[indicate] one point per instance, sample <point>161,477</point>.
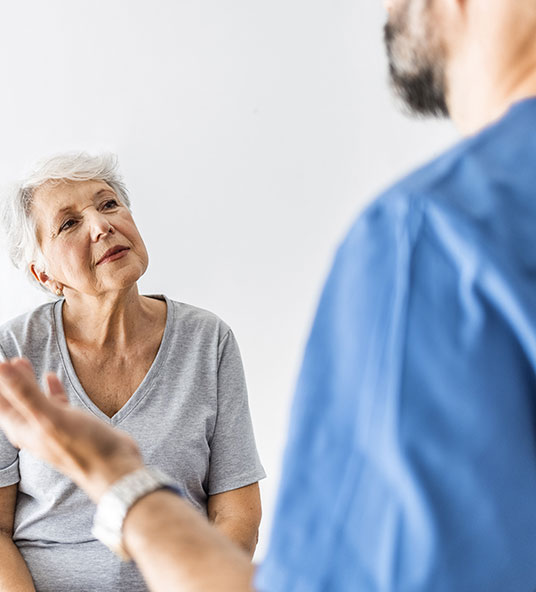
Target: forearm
<point>239,531</point>
<point>14,573</point>
<point>176,548</point>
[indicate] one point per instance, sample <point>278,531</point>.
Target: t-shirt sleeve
<point>332,504</point>
<point>9,455</point>
<point>234,461</point>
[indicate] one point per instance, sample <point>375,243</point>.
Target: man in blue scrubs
<point>411,460</point>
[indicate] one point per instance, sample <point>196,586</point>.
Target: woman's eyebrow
<point>59,214</point>
<point>103,191</point>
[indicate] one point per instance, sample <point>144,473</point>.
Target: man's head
<point>467,59</point>
<point>417,57</point>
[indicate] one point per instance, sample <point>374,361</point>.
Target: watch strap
<point>119,498</point>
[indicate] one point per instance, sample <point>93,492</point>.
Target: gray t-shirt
<point>190,417</point>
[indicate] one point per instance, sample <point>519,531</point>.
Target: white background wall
<point>250,134</point>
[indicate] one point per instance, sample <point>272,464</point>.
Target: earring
<point>59,292</point>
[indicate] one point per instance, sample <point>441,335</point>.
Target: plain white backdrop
<point>250,134</point>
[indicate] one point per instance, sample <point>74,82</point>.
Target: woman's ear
<point>40,276</point>
<point>44,280</point>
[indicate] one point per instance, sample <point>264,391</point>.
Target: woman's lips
<point>115,256</point>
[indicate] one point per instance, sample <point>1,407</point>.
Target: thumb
<point>54,389</point>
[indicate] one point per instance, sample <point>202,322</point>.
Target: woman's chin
<point>119,280</point>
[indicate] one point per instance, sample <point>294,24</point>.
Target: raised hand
<point>80,445</point>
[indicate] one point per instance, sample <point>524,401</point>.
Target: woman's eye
<point>111,203</point>
<point>67,224</point>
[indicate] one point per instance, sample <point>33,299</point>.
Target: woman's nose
<point>100,226</point>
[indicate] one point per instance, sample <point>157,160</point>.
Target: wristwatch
<point>117,501</point>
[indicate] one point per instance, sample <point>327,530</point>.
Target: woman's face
<point>77,223</point>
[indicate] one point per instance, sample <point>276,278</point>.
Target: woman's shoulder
<point>27,332</point>
<point>187,317</point>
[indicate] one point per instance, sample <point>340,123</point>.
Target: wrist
<point>101,478</point>
<point>117,501</point>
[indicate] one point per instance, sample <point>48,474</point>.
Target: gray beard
<point>423,92</point>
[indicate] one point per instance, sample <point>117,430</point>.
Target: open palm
<point>83,447</point>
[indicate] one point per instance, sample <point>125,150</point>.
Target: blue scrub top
<point>411,460</point>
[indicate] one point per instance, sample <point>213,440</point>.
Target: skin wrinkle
<point>55,223</point>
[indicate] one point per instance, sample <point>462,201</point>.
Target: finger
<point>54,389</point>
<point>11,422</point>
<point>19,387</point>
<point>24,365</point>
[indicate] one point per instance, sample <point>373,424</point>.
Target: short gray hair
<point>15,216</point>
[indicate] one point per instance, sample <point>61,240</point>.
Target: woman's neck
<point>112,320</point>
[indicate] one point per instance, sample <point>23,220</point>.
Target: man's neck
<point>471,114</point>
<point>484,81</point>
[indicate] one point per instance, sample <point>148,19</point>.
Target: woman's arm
<point>237,514</point>
<point>14,574</point>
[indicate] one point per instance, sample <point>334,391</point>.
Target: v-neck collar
<point>145,386</point>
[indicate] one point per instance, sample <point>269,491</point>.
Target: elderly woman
<point>166,372</point>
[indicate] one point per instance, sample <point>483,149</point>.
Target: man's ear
<point>40,276</point>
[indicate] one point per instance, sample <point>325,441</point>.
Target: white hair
<point>19,227</point>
